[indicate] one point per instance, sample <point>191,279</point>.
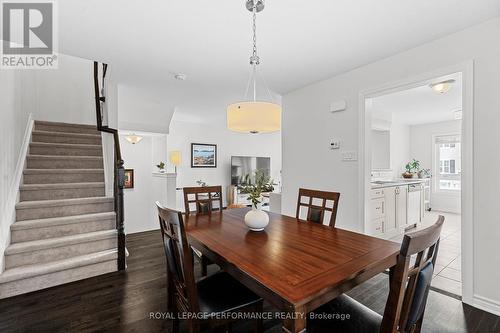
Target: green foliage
<point>413,165</point>
<point>201,183</point>
<point>262,183</point>
<point>161,166</point>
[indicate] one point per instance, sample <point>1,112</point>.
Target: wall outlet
<point>334,144</point>
<point>349,156</point>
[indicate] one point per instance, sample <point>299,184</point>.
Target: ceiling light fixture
<point>253,115</point>
<point>133,139</point>
<point>442,87</point>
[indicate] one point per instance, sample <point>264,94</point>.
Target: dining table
<point>295,265</point>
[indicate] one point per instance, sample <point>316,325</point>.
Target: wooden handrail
<point>119,170</point>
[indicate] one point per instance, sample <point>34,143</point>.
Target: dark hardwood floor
<point>124,302</point>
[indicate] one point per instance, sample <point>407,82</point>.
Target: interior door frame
<point>467,198</point>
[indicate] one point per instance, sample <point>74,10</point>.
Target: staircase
<point>65,227</point>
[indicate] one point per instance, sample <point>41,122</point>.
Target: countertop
<point>398,182</point>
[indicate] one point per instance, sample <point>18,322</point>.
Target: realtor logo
<point>28,32</point>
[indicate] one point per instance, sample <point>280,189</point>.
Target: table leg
<point>296,320</point>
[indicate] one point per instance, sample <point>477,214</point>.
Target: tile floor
<point>448,270</point>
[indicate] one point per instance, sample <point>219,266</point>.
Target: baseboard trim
<point>10,208</point>
<point>486,304</point>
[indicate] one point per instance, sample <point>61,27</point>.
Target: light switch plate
<point>349,156</point>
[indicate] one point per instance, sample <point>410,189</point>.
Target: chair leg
<point>204,266</point>
<point>418,325</point>
<point>194,326</point>
<point>175,325</point>
<point>259,308</point>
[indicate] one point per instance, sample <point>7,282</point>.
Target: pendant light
<point>253,115</point>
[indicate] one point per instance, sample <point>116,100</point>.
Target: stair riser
<point>37,163</point>
<point>58,211</point>
<point>57,278</point>
<point>47,138</point>
<point>63,151</point>
<point>27,235</point>
<point>68,193</point>
<point>63,178</point>
<point>65,129</point>
<point>59,253</point>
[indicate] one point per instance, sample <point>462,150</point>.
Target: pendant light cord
<point>255,60</point>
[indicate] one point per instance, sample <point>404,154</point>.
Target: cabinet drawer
<point>376,227</point>
<point>378,208</point>
<point>377,193</point>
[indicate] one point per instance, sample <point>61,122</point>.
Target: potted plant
<point>161,167</point>
<point>257,219</point>
<point>424,173</point>
<point>201,183</point>
<point>412,169</point>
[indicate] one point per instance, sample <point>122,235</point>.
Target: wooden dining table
<point>296,266</point>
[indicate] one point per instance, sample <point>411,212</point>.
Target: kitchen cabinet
<point>391,224</point>
<point>394,209</point>
<point>414,204</point>
<point>377,210</point>
<point>401,206</point>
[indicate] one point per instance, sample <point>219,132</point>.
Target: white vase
<point>256,219</point>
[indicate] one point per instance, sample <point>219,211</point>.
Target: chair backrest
<point>320,205</point>
<point>203,199</point>
<point>411,279</point>
<point>180,272</point>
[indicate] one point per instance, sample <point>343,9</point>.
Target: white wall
<point>182,134</point>
<point>141,110</point>
<point>308,126</point>
<point>65,94</point>
<point>421,149</point>
<point>140,209</point>
<point>381,149</point>
<point>400,148</point>
<point>14,118</point>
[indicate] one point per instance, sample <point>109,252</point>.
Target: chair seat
<point>361,319</point>
<point>220,293</point>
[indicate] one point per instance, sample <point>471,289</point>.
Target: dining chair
<point>319,205</point>
<point>409,285</point>
<point>209,301</point>
<point>202,198</point>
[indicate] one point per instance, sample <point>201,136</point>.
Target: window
<point>448,163</point>
<point>447,167</point>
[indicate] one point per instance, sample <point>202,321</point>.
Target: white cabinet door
<point>376,227</point>
<point>401,206</point>
<point>413,208</point>
<point>414,204</point>
<point>378,209</point>
<point>390,210</point>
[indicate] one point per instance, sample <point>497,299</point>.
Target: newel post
<point>119,219</point>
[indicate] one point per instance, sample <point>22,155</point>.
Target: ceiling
<point>300,42</point>
<point>420,105</point>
